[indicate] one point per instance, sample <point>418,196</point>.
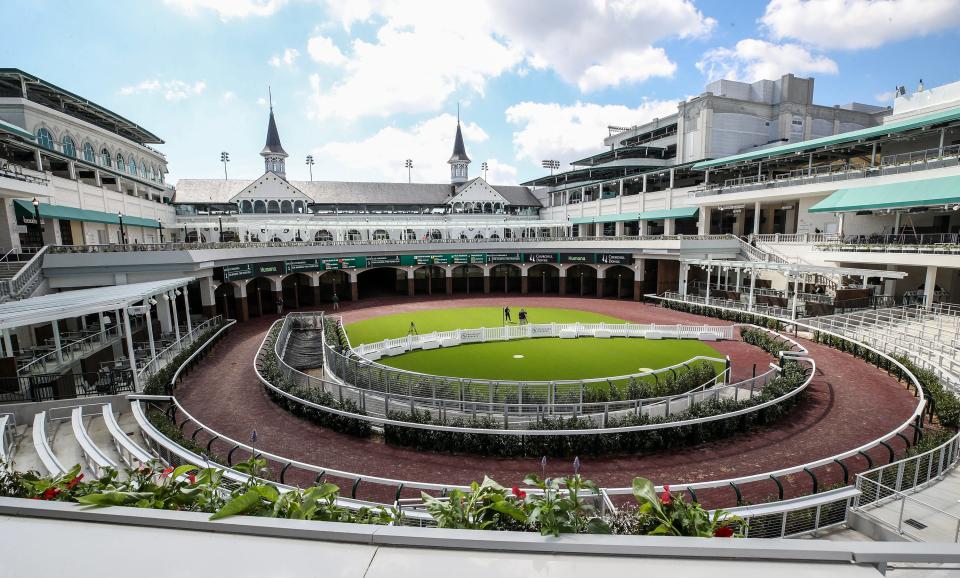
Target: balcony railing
<point>889,165</point>
<point>937,244</point>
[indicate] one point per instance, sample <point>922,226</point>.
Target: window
<point>354,235</point>
<point>286,207</point>
<point>380,235</point>
<point>69,147</point>
<point>143,170</point>
<point>322,236</point>
<point>44,139</point>
<point>259,207</point>
<point>88,154</point>
<point>246,207</point>
<point>273,207</point>
<point>105,158</point>
<point>120,164</point>
<point>133,167</point>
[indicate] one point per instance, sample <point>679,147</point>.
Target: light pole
<point>550,164</point>
<point>123,235</point>
<point>310,166</point>
<point>408,164</point>
<point>220,235</point>
<point>159,222</point>
<point>619,279</point>
<point>484,167</point>
<point>36,215</point>
<point>224,158</point>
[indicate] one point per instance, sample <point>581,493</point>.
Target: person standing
<point>506,315</point>
<point>336,302</point>
<point>279,306</point>
<point>413,329</point>
<point>523,316</point>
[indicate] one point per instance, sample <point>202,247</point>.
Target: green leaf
<point>598,526</point>
<point>182,470</point>
<point>114,498</point>
<point>268,492</point>
<point>239,505</point>
<point>507,507</point>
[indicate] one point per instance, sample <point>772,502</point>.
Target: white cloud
<point>287,59</point>
<point>855,24</point>
<point>424,52</point>
<point>228,9</point>
<point>885,96</point>
<point>228,96</point>
<point>381,156</point>
<point>498,173</point>
<point>262,102</point>
<point>752,59</point>
<point>321,49</point>
<point>172,90</point>
<point>567,133</point>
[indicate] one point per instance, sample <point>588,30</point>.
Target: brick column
<point>523,282</point>
<point>486,282</point>
<point>354,293</point>
<point>599,286</point>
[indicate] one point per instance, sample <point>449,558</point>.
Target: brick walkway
<point>848,404</point>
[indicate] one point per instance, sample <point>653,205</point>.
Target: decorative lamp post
<point>220,221</point>
<point>160,222</point>
<point>123,234</point>
<point>36,214</point>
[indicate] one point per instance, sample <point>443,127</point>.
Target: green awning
<point>939,191</point>
<point>842,138</point>
<point>25,209</point>
<point>14,129</point>
<point>680,213</point>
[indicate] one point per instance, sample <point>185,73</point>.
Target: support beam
<point>56,339</point>
<point>186,309</point>
<point>929,285</point>
<point>131,357</point>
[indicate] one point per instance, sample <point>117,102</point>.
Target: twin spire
<point>274,156</point>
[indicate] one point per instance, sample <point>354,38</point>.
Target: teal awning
<point>681,213</point>
<point>14,129</point>
<point>842,138</point>
<point>47,211</point>
<point>939,191</point>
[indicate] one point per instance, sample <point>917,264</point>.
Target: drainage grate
<point>915,524</point>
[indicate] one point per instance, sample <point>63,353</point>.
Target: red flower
<point>50,493</point>
<point>665,497</point>
<point>73,483</point>
<point>192,478</point>
<point>519,493</point>
<point>723,532</point>
<point>165,473</point>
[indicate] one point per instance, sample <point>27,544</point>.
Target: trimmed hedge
<point>765,341</point>
<point>727,315</point>
<point>599,444</point>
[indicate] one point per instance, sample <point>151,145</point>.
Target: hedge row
<point>599,444</point>
<point>725,314</point>
<point>160,382</point>
<point>764,340</point>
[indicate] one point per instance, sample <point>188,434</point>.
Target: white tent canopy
<point>794,269</point>
<point>70,304</point>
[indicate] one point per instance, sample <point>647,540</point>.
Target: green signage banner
<point>383,260</point>
<point>504,257</point>
<point>299,265</point>
<point>232,272</point>
<point>615,258</point>
<point>539,257</point>
<point>343,262</point>
<point>577,258</point>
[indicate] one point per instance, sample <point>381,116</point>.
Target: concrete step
<point>25,457</point>
<point>66,448</point>
<point>98,432</point>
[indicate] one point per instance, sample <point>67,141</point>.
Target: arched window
<point>69,147</point>
<point>436,234</point>
<point>494,236</point>
<point>259,207</point>
<point>121,166</point>
<point>353,235</point>
<point>286,207</point>
<point>44,139</point>
<point>463,236</point>
<point>478,236</point>
<point>88,154</point>
<point>143,170</point>
<point>276,239</point>
<point>105,158</point>
<point>410,235</point>
<point>381,235</point>
<point>246,207</point>
<point>153,176</point>
<point>298,207</point>
<point>133,167</point>
<point>323,236</point>
<point>273,207</point>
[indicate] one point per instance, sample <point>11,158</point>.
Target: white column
<point>7,343</point>
<point>840,226</point>
<point>684,270</point>
<point>756,218</point>
<point>173,309</point>
<point>186,309</point>
<point>709,272</point>
<point>796,294</point>
<point>146,318</point>
<point>753,285</point>
<point>56,339</point>
<point>103,327</point>
<point>163,313</point>
<point>739,278</point>
<point>929,284</point>
<point>896,223</point>
<point>130,355</point>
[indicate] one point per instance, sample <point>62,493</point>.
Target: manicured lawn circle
<point>543,359</point>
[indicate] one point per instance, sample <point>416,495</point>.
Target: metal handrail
<point>157,361</point>
<point>106,335</point>
<point>14,286</point>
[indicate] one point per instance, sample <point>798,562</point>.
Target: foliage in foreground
<point>551,506</point>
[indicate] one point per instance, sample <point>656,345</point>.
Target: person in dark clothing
<point>506,315</point>
<point>523,317</point>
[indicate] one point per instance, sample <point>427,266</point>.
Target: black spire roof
<point>273,145</point>
<point>459,151</point>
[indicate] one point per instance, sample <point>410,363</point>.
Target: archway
<point>229,237</point>
<point>429,279</point>
<point>581,280</point>
<point>354,235</point>
<point>543,278</point>
<point>467,279</point>
<point>335,281</point>
<point>323,236</point>
<point>381,235</point>
<point>225,300</point>
<point>380,281</point>
<point>618,282</point>
<point>297,291</point>
<point>505,278</point>
<point>193,237</point>
<point>260,297</point>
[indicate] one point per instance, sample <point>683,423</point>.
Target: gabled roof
<point>854,136</point>
<point>270,186</point>
<point>478,190</point>
<point>459,150</point>
<point>273,146</point>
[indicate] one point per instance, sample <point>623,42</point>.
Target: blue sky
<point>364,84</point>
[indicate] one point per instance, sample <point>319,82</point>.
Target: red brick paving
<point>849,403</point>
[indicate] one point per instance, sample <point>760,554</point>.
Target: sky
<point>363,85</point>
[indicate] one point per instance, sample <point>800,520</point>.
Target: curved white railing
<point>42,445</point>
<point>131,453</point>
<point>96,459</point>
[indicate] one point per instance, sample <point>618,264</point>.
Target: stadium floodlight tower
<point>408,164</point>
<point>550,164</point>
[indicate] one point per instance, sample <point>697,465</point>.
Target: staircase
<point>759,252</point>
<point>20,274</point>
